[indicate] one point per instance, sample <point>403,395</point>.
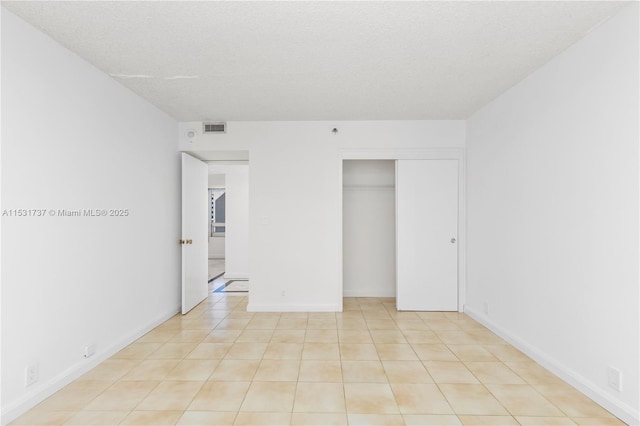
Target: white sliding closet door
<point>427,232</point>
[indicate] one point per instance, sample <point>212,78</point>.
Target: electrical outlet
<point>31,374</point>
<point>89,350</point>
<point>614,379</point>
<point>486,308</point>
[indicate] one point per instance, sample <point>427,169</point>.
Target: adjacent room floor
<point>369,365</point>
<point>216,268</point>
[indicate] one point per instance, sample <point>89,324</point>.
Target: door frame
<point>416,154</point>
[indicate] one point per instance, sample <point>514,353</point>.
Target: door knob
<point>189,241</point>
<point>181,242</point>
<point>453,241</point>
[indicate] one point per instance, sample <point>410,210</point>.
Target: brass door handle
<point>181,242</point>
<point>189,241</point>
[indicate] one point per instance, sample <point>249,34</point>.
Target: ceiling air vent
<point>215,127</point>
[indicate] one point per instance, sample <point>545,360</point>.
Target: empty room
<point>431,213</point>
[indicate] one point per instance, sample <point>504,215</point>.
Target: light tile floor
<point>369,365</point>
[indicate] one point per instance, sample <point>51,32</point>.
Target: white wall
<point>552,212</point>
<point>72,138</point>
<point>369,228</point>
<point>216,247</point>
<point>295,198</point>
<point>216,181</point>
<point>236,260</point>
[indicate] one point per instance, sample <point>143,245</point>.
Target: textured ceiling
<point>317,60</point>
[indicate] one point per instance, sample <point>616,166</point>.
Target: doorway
<point>229,253</point>
<point>369,228</point>
<point>229,231</point>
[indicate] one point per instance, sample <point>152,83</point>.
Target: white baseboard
<point>39,393</point>
<point>619,408</point>
<point>235,276</point>
<point>252,307</point>
<point>370,293</point>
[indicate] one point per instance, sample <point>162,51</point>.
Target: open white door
<point>427,228</point>
<point>194,232</point>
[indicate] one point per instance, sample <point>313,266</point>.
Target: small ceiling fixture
<point>334,131</point>
<point>191,134</point>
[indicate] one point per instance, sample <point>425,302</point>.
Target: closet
<point>400,232</point>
